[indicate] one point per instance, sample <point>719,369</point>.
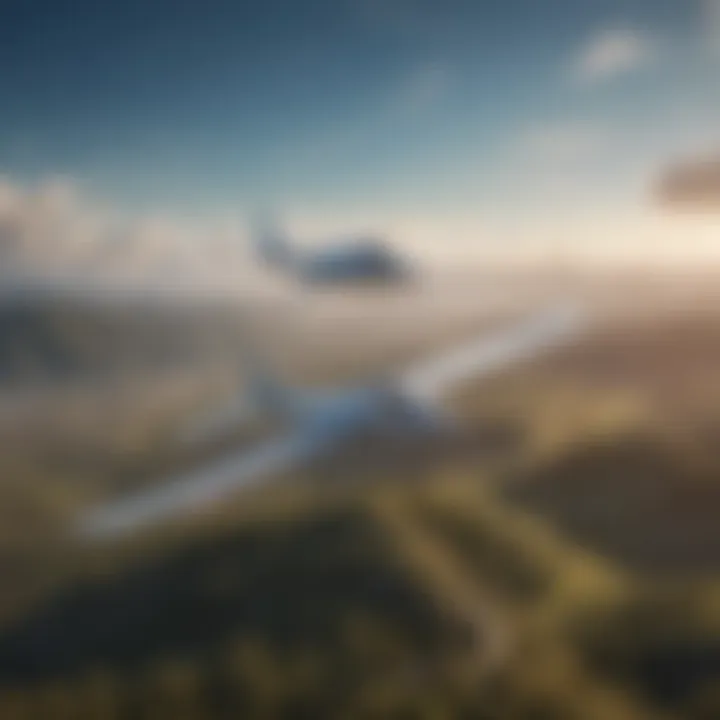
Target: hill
<point>401,600</point>
<point>558,560</point>
<point>45,339</point>
<point>346,611</point>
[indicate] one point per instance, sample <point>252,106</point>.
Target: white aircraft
<point>319,423</point>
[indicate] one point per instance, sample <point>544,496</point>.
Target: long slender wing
<point>198,488</point>
<point>428,380</point>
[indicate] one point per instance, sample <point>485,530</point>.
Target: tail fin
<point>271,243</point>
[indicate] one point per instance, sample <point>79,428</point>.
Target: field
<point>559,558</point>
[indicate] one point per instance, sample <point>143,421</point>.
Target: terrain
<point>560,558</point>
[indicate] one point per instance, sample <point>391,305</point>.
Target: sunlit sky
<point>461,112</point>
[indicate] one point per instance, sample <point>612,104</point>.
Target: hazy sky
<point>356,108</point>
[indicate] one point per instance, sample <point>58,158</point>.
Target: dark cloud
<point>694,183</point>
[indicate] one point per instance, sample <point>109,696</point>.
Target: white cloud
<point>52,232</point>
<point>563,144</point>
<point>48,223</point>
<point>562,164</point>
<point>612,53</point>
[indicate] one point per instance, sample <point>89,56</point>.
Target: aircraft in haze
<point>318,424</point>
<point>362,260</point>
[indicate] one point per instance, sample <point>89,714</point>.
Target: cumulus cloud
<point>53,232</point>
<point>48,224</point>
<point>613,53</point>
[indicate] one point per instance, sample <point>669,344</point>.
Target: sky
<point>154,124</point>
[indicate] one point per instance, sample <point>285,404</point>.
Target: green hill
<point>557,561</point>
<point>58,339</point>
<point>432,601</point>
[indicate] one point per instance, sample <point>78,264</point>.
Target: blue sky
<point>318,102</point>
<point>434,118</point>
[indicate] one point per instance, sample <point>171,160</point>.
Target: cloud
<point>560,164</point>
<point>53,232</point>
<point>695,183</point>
<point>613,53</point>
<point>48,224</point>
<point>563,144</point>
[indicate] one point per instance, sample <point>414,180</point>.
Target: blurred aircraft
<point>354,260</point>
<point>409,405</point>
